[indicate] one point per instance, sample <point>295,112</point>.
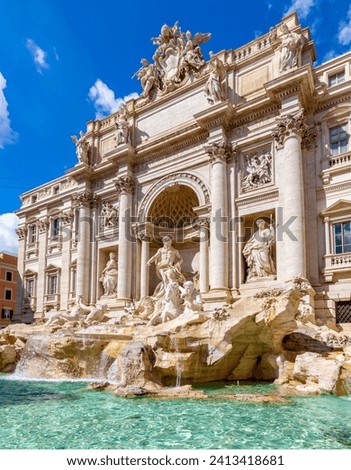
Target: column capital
<point>43,225</point>
<point>326,220</point>
<point>202,222</point>
<point>84,200</point>
<point>22,231</point>
<point>125,184</point>
<point>143,232</point>
<point>220,151</point>
<point>66,217</point>
<point>290,125</point>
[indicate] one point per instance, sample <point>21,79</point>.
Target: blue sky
<point>64,62</point>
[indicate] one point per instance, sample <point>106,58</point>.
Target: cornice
<point>247,200</point>
<point>170,143</point>
<point>331,102</point>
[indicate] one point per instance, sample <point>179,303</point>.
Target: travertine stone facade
<point>244,159</point>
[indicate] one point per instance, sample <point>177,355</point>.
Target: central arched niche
<point>172,212</point>
<point>174,207</point>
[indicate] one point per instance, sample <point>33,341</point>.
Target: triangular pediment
<point>52,267</point>
<point>29,272</point>
<point>339,207</point>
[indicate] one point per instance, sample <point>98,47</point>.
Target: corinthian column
<point>83,202</point>
<point>218,153</point>
<point>125,188</point>
<point>203,264</point>
<point>291,256</point>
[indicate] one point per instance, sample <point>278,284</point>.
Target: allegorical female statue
<point>109,276</point>
<point>258,252</point>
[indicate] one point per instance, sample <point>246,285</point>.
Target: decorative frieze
<point>257,171</point>
<point>109,214</point>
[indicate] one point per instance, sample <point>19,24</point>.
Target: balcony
<point>336,264</point>
<point>52,301</point>
<point>336,164</point>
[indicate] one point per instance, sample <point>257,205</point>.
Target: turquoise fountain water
<point>65,415</point>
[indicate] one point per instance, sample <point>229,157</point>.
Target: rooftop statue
<point>82,147</point>
<point>177,57</point>
<point>290,49</point>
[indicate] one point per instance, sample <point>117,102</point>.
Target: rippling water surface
<point>64,415</point>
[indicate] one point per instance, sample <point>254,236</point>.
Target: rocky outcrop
<point>254,338</point>
<point>58,356</point>
<point>11,349</point>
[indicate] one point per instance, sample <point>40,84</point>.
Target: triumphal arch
<point>227,175</point>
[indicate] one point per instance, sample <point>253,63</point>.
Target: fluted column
<point>43,228</point>
<point>125,188</point>
<point>204,256</point>
<point>22,236</point>
<point>144,268</point>
<point>219,152</point>
<point>83,202</point>
<point>290,234</point>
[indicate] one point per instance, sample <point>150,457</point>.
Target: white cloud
<point>8,236</point>
<point>302,7</point>
<point>329,55</point>
<point>104,99</point>
<point>344,35</point>
<point>7,135</point>
<point>38,54</point>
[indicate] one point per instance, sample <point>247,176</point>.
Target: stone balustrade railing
<point>339,261</point>
<point>338,160</point>
<point>252,48</point>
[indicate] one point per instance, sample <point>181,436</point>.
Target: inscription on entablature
<point>253,81</point>
<point>245,129</point>
<point>108,145</point>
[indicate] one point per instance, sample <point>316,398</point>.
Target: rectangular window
<point>343,311</point>
<point>9,276</point>
<point>6,313</point>
<point>32,234</point>
<point>8,294</point>
<point>55,228</point>
<point>30,287</point>
<point>336,78</point>
<point>342,237</point>
<point>339,139</point>
<point>73,279</point>
<point>52,284</point>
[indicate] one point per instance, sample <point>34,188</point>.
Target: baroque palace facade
<point>244,160</point>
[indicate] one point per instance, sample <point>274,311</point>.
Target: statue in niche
<point>109,276</point>
<point>122,127</point>
<point>214,88</point>
<point>258,171</point>
<point>258,252</point>
<point>290,48</point>
<point>82,147</point>
<point>168,261</point>
<point>109,214</point>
